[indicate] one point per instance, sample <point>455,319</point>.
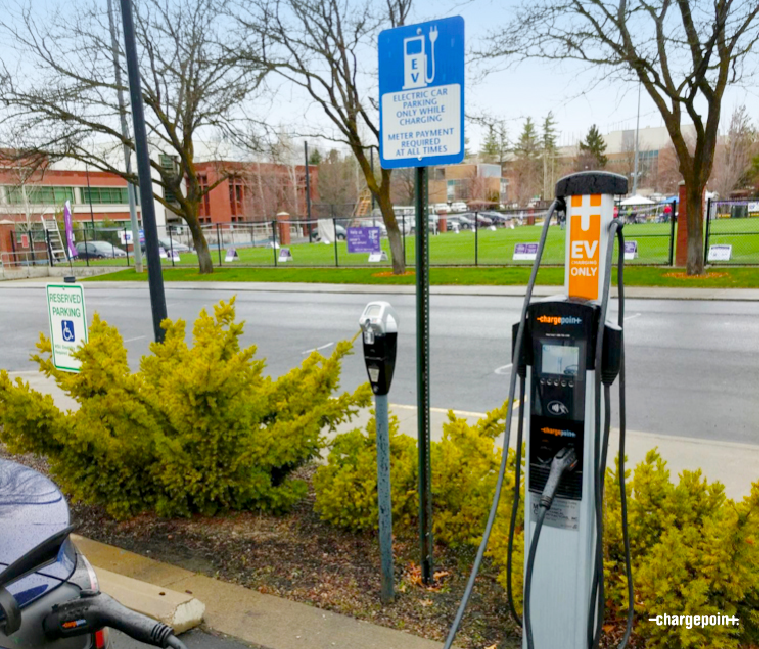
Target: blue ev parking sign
<point>421,84</point>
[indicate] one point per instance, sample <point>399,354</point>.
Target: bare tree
<point>62,94</point>
<point>321,47</point>
<point>733,157</point>
<point>403,188</point>
<point>684,52</point>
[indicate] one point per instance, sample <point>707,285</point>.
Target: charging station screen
<point>373,311</point>
<point>560,359</point>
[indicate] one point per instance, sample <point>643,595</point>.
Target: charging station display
<point>560,359</point>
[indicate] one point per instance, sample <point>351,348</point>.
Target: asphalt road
<point>693,366</point>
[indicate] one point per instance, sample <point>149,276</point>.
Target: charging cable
<point>95,610</point>
<point>563,462</point>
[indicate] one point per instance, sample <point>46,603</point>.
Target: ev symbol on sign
<point>67,328</point>
<point>415,60</point>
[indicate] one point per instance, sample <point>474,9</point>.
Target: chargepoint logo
<point>559,320</point>
<point>556,432</point>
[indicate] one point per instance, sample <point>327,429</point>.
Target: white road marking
<point>317,349</point>
<point>131,340</point>
<point>458,413</point>
<point>634,315</point>
<point>503,368</point>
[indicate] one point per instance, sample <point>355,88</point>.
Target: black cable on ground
<point>597,584</point>
<point>515,504</point>
<point>528,572</point>
<point>555,206</point>
<point>622,442</point>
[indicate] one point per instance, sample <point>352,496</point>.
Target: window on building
<point>105,195</point>
<point>236,197</point>
<point>204,211</point>
<point>171,165</point>
<point>40,195</point>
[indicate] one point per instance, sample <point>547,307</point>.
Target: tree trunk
<point>205,263</point>
<point>694,194</point>
<point>394,236</point>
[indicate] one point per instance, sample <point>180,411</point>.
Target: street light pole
<point>637,130</point>
<point>155,278</point>
<point>136,247</point>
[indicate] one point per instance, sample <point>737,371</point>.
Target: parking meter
<point>379,324</point>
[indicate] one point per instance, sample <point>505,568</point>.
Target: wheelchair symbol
<point>67,327</point>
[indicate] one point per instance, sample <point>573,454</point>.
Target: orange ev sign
<point>584,246</point>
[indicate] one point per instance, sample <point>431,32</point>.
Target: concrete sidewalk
<point>733,464</point>
<point>631,292</point>
<point>263,620</point>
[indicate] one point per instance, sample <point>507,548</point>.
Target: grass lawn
<point>730,277</point>
<point>486,248</point>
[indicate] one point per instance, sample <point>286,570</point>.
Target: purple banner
<point>363,239</point>
<point>631,247</point>
<point>68,224</point>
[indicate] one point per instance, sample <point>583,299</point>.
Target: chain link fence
<point>456,239</point>
<point>731,232</point>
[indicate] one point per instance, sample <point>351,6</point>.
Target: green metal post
<point>422,374</point>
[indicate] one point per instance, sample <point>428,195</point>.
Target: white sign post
<point>68,324</point>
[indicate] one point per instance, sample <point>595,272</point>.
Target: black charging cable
<point>563,462</point>
<point>556,206</point>
<point>515,503</point>
<point>94,610</point>
<point>596,609</point>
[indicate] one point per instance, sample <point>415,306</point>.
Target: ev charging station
<point>379,327</point>
<point>566,356</point>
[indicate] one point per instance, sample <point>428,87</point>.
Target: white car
<point>458,207</point>
<point>440,208</point>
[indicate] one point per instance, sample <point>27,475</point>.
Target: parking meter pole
<point>422,374</point>
<point>155,276</point>
<point>379,327</point>
<point>387,594</point>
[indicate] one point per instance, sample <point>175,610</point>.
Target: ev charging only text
<point>582,254</point>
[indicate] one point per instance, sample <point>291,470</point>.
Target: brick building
<point>254,191</point>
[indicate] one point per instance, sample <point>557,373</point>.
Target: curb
<point>541,290</point>
<point>181,611</point>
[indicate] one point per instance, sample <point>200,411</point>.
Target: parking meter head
<point>379,327</point>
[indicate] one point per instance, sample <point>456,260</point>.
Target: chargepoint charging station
<point>566,355</point>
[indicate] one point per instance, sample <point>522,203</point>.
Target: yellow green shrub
<point>199,428</point>
<point>464,471</point>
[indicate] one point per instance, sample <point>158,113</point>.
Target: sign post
<point>68,324</point>
<point>421,86</point>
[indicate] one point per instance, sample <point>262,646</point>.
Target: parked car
<point>440,208</point>
<point>339,233</point>
<point>464,221</point>
<point>482,220</point>
<point>167,242</point>
<point>98,250</point>
<point>458,207</point>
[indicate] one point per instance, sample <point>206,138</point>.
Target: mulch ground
<point>302,558</point>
